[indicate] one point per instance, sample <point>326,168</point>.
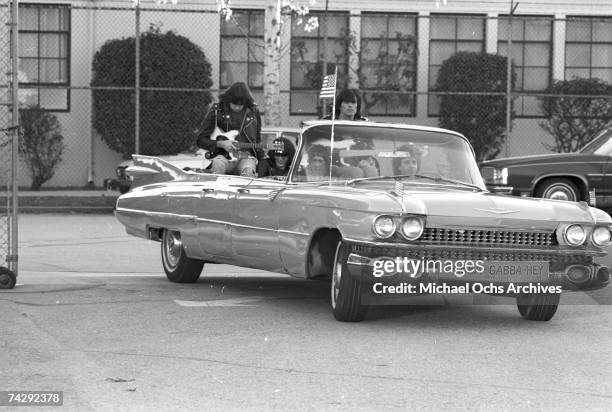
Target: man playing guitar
<point>235,114</point>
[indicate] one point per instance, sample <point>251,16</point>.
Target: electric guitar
<point>235,154</point>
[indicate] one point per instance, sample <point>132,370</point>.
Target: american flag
<point>328,89</point>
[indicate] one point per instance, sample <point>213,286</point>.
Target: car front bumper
<point>572,272</point>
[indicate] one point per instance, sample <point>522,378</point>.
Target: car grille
<point>487,237</point>
<point>557,261</point>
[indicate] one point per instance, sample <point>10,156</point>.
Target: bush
<point>41,144</point>
<point>481,118</point>
<point>168,119</point>
<point>574,121</point>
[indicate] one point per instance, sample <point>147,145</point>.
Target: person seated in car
<point>236,113</point>
<point>407,165</point>
<point>278,162</point>
<point>318,163</point>
<point>368,164</point>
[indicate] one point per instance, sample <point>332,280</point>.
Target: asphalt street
<point>94,316</point>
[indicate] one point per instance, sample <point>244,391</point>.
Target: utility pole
<point>324,66</point>
<point>509,81</point>
<point>137,83</point>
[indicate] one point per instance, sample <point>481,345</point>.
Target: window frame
<point>591,20</point>
<point>388,38</point>
<point>37,86</point>
<point>454,41</point>
<point>251,41</point>
<point>319,37</point>
<point>518,90</point>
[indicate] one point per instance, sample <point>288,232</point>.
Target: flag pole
<point>333,118</point>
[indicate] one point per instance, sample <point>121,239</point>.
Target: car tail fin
<point>150,169</point>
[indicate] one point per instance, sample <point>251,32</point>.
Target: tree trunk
<point>272,49</point>
<point>37,183</point>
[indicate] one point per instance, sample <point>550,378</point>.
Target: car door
<point>214,216</point>
<point>255,229</point>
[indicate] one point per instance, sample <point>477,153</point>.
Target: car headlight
<point>574,235</point>
<point>601,236</point>
<point>412,228</point>
<point>495,175</point>
<point>384,226</point>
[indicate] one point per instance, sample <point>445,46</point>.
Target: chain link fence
<point>87,76</point>
<point>8,140</point>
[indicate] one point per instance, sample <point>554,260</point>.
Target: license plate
<point>508,271</point>
<point>500,271</point>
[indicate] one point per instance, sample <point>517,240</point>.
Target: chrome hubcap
<point>172,248</point>
<point>559,196</point>
<point>560,192</point>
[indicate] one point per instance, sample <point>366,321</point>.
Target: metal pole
<point>509,82</point>
<point>12,258</point>
<point>325,39</point>
<point>324,68</point>
<point>137,84</point>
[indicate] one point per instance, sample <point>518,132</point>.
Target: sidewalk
<point>64,201</point>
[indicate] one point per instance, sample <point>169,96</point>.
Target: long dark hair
<point>349,95</point>
<point>237,92</point>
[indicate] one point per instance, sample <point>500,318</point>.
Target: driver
<point>407,165</point>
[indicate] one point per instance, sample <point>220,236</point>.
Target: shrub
<point>41,144</point>
<point>168,118</point>
<point>574,120</point>
<point>480,117</point>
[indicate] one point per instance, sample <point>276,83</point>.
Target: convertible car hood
<point>534,159</point>
<point>487,210</point>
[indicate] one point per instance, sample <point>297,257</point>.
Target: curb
<point>64,202</point>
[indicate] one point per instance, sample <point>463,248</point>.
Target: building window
<point>242,51</point>
<point>449,35</point>
<point>329,43</point>
<point>388,63</point>
<point>44,56</point>
<point>532,58</point>
<point>588,48</point>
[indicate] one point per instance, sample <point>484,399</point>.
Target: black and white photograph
<point>306,205</point>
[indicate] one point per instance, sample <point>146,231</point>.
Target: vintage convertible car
<point>585,175</point>
<point>364,208</point>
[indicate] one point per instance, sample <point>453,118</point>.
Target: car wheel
<point>345,290</point>
<point>540,307</point>
<point>7,278</point>
<point>178,267</point>
<point>558,189</point>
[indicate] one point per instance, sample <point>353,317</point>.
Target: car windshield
<point>601,144</point>
<point>363,152</point>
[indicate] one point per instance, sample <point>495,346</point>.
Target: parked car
<point>355,207</point>
<point>191,161</point>
<point>585,175</point>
